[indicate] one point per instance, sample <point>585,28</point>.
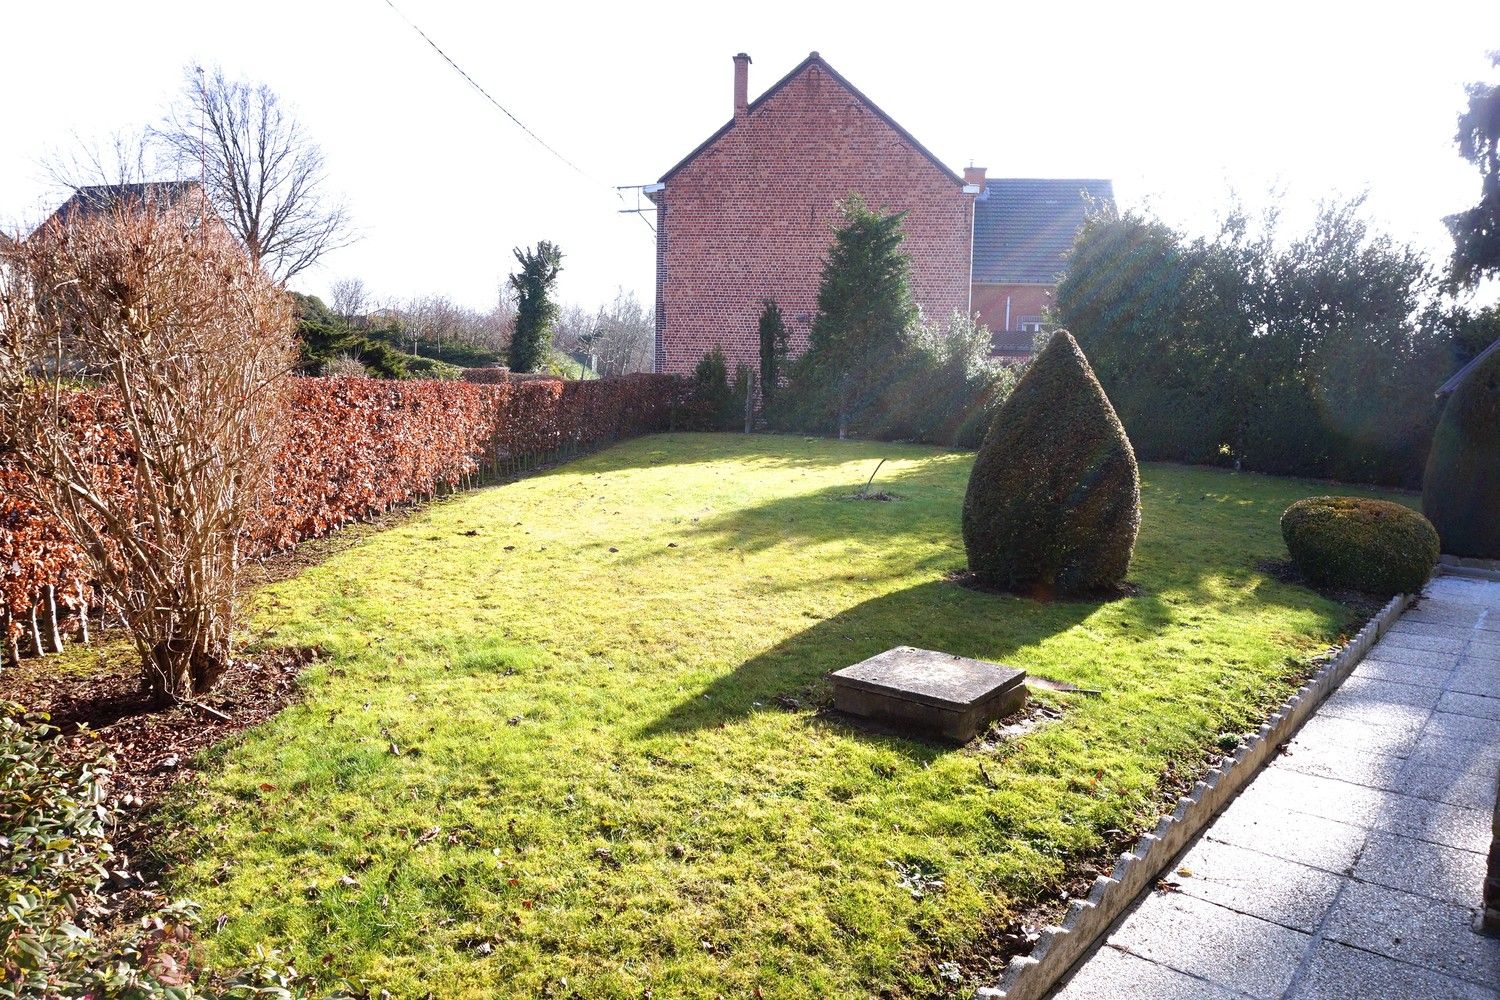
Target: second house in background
<point>748,215</point>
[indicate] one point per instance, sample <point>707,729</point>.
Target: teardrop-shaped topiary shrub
<point>1375,546</point>
<point>1461,490</point>
<point>1054,501</point>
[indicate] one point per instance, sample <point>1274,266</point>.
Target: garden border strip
<point>1030,977</point>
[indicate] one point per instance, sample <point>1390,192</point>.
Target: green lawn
<point>596,783</point>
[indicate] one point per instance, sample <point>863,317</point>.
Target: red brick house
<point>748,216</point>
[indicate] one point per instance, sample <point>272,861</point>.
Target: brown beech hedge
<point>356,447</point>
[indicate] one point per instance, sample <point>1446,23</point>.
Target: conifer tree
<point>1476,231</point>
<point>864,306</point>
<point>773,347</point>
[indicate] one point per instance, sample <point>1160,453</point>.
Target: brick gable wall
<point>750,216</point>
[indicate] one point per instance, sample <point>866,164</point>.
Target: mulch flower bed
<point>154,747</point>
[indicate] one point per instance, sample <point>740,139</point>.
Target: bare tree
<point>419,321</point>
<point>156,467</point>
<point>619,336</point>
<point>125,157</point>
<point>350,299</point>
<point>574,328</point>
<point>623,337</point>
<point>435,321</point>
<point>500,322</point>
<point>264,174</point>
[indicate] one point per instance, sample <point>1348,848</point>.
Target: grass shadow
<point>913,534</point>
<point>760,451</point>
<point>1195,561</point>
<point>935,615</point>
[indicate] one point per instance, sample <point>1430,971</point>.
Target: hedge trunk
<point>181,670</point>
<point>1054,503</point>
<point>1461,490</point>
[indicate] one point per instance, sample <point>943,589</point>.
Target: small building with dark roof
<point>749,214</point>
<point>1461,376</point>
<point>95,200</point>
<point>1023,230</point>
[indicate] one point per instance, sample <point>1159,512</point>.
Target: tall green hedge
<point>940,386</point>
<point>1310,356</point>
<point>1461,491</point>
<point>1054,500</point>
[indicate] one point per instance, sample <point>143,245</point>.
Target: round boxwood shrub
<point>1054,500</point>
<point>1461,490</point>
<point>1371,545</point>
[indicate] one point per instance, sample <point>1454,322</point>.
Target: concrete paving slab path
<point>1351,867</point>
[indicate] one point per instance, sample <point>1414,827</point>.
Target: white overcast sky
<point>1175,103</point>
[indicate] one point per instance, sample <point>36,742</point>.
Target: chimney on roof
<point>741,86</point>
<point>975,176</point>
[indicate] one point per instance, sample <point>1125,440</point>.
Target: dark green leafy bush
<point>716,404</point>
<point>431,368</point>
<point>326,337</point>
<point>1310,356</point>
<point>55,856</point>
<point>1461,491</point>
<point>396,335</point>
<point>939,386</point>
<point>61,935</point>
<point>1054,500</point>
<point>1373,546</point>
<point>942,388</point>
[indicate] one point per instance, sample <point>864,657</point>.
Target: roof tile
<point>1024,227</point>
<point>88,202</point>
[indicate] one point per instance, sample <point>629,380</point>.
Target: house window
<point>1029,324</point>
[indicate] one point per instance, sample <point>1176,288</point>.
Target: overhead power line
<point>504,110</point>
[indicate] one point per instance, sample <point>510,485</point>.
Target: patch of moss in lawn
<point>547,746</point>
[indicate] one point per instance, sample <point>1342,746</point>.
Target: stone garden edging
<point>1478,569</point>
<point>1029,977</point>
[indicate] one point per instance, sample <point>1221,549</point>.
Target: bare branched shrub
<point>344,366</point>
<point>154,457</point>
